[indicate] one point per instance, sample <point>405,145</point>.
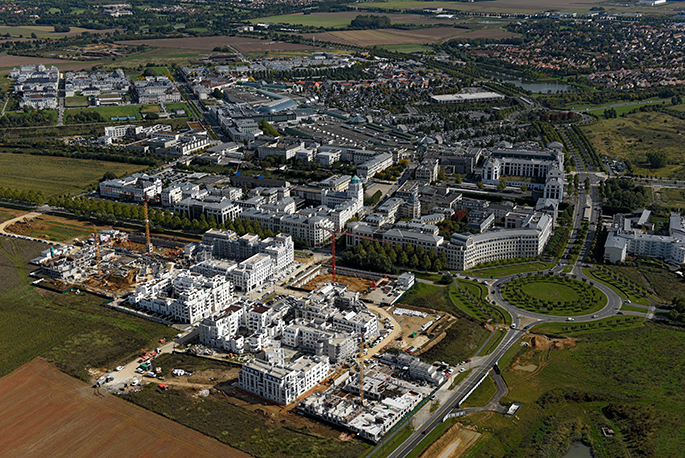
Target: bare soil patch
<point>453,443</point>
<point>353,284</point>
<point>48,413</point>
<point>542,343</point>
<point>526,368</point>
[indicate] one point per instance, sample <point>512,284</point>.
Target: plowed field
<point>48,413</point>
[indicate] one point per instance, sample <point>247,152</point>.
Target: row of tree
<point>385,257</point>
<point>25,197</point>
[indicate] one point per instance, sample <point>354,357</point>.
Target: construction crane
<point>97,250</point>
<point>340,231</point>
<point>148,242</point>
<point>362,348</point>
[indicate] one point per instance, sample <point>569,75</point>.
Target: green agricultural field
<point>73,331</point>
<point>498,6</point>
<point>406,48</point>
<point>40,30</point>
<point>637,134</point>
<point>308,20</point>
<point>627,380</point>
<point>219,417</point>
<point>56,175</point>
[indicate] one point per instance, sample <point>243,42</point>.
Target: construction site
<point>108,262</point>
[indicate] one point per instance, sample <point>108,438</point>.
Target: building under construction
<point>386,401</point>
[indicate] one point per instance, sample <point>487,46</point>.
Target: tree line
<point>385,257</point>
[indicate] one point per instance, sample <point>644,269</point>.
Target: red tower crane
<point>340,231</point>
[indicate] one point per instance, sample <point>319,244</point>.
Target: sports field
<point>55,175</point>
<point>48,413</point>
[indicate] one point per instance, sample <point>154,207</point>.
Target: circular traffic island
<point>553,295</point>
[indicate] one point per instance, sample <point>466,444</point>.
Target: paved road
<point>454,400</point>
<point>29,215</point>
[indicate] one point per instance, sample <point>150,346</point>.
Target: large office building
<point>136,188</point>
<point>467,250</point>
<point>624,240</point>
<point>537,168</point>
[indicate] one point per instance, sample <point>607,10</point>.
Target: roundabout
<point>553,295</point>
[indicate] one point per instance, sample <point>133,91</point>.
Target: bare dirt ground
<point>48,413</point>
<point>241,44</point>
<point>453,443</point>
<point>353,284</point>
<point>542,343</point>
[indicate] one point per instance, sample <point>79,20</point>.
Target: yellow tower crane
<point>148,242</point>
<point>97,250</point>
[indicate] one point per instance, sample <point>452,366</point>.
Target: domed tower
<point>356,189</point>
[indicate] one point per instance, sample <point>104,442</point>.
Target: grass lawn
<point>620,289</point>
<point>559,296</point>
<point>56,175</point>
<point>73,331</point>
<point>482,395</point>
<point>637,134</point>
<point>603,325</point>
<point>110,112</point>
<point>632,308</point>
<point>494,342</point>
<point>431,437</point>
<point>149,108</point>
<point>551,291</point>
<point>10,213</point>
<point>510,270</point>
<point>395,442</point>
<point>664,282</point>
<point>672,197</point>
<point>76,101</point>
<point>429,296</point>
<point>463,338</point>
<point>578,390</point>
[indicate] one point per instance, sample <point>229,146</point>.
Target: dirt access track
<point>48,413</point>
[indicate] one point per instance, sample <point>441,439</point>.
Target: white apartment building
<point>187,297</point>
<point>216,331</point>
<point>356,323</point>
<point>283,385</point>
<point>252,273</point>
